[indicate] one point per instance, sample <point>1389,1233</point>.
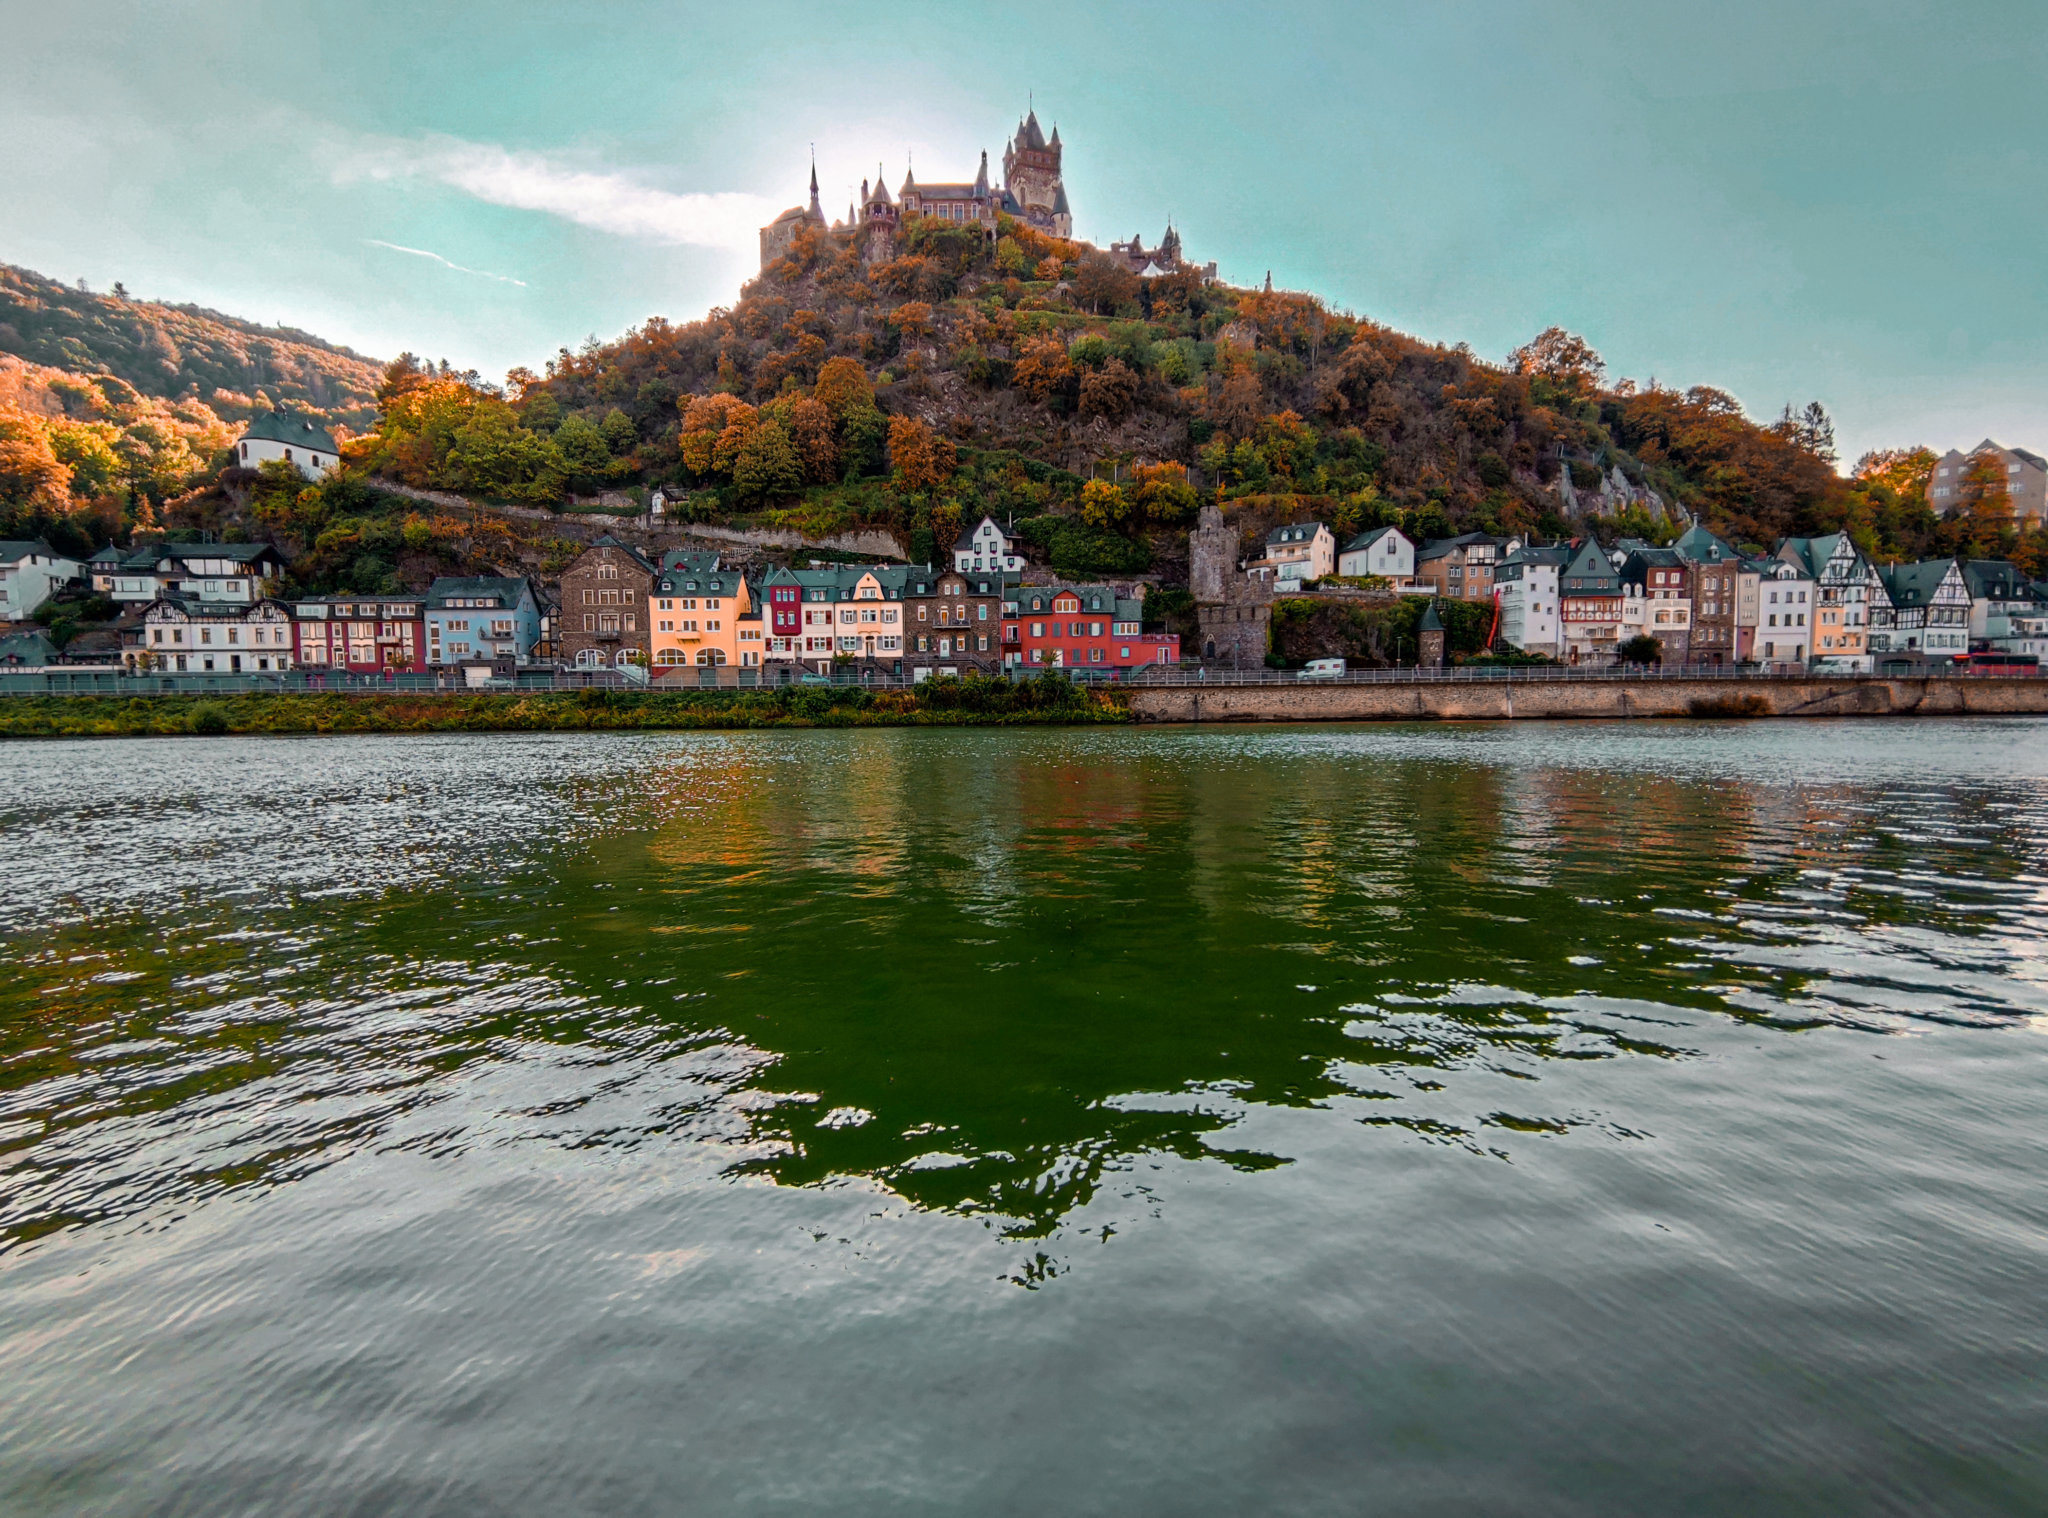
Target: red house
<point>1076,627</point>
<point>361,635</point>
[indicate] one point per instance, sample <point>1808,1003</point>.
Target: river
<point>1548,1119</point>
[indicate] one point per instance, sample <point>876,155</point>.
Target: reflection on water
<point>1561,1119</point>
<point>992,973</point>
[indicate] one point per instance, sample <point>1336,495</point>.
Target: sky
<point>1791,200</point>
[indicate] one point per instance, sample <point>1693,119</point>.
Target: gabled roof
<point>1099,600</point>
<point>1557,554</point>
<point>683,581</point>
<point>14,550</point>
<point>1813,554</point>
<point>30,648</point>
<point>684,558</point>
<point>1914,585</point>
<point>1702,547</point>
<point>1438,547</point>
<point>239,553</point>
<point>608,541</point>
<point>2032,458</point>
<point>1295,532</point>
<point>1366,539</point>
<point>1995,580</point>
<point>108,555</point>
<point>298,431</point>
<point>1589,573</point>
<point>471,587</point>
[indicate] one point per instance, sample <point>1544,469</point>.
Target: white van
<point>1322,669</point>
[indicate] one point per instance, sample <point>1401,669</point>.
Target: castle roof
<point>1028,132</point>
<point>1059,201</point>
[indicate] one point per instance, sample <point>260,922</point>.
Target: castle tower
<point>1031,175</point>
<point>878,218</point>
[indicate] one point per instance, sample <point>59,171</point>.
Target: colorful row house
<point>1923,616</point>
<point>1589,602</point>
<point>481,619</point>
<point>1845,586</point>
<point>1657,599</point>
<point>1081,627</point>
<point>361,635</point>
<point>605,621</point>
<point>704,616</point>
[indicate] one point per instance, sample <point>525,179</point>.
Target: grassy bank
<point>963,703</point>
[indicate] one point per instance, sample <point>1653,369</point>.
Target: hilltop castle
<point>1032,192</point>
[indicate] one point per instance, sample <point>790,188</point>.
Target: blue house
<point>481,617</point>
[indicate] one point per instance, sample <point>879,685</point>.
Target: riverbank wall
<point>1540,700</point>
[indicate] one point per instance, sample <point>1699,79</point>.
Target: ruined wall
<point>1540,700</point>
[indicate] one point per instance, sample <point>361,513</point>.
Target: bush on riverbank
<point>1049,699</point>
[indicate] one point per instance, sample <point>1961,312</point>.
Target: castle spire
<point>981,179</point>
<point>817,211</point>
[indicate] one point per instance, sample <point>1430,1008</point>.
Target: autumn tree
<point>1042,370</point>
<point>1110,391</point>
<point>1162,493</point>
<point>30,470</point>
<point>1103,283</point>
<point>918,457</point>
<point>1563,358</point>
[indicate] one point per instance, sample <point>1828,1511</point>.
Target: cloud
<point>610,202</point>
<point>378,242</point>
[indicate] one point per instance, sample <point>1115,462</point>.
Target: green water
<point>1577,1119</point>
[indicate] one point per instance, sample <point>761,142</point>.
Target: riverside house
<point>704,616</point>
<point>475,619</point>
<point>1589,605</point>
<point>1076,627</point>
<point>1774,604</point>
<point>1656,599</point>
<point>987,550</point>
<point>361,635</point>
<point>853,614</point>
<point>1526,592</point>
<point>1717,589</point>
<point>1925,615</point>
<point>1845,586</point>
<point>953,622</point>
<point>185,635</point>
<point>604,621</point>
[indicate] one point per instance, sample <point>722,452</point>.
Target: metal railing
<point>101,682</point>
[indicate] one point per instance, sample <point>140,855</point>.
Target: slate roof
<point>27,648</point>
<point>14,550</point>
<point>1588,573</point>
<point>1912,586</point>
<point>1438,547</point>
<point>608,541</point>
<point>1995,580</point>
<point>1431,622</point>
<point>1097,599</point>
<point>297,431</point>
<point>1366,539</point>
<point>1700,546</point>
<point>686,581</point>
<point>474,587</point>
<point>1294,532</point>
<point>687,559</point>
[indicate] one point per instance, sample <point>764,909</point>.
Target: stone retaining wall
<point>1551,700</point>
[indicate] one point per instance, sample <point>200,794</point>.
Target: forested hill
<point>234,367</point>
<point>1040,378</point>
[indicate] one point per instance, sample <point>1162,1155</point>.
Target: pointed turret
<point>1031,132</point>
<point>981,179</point>
<point>909,183</point>
<point>1055,143</point>
<point>817,211</point>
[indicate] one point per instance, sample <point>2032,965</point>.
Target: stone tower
<point>1430,634</point>
<point>1233,611</point>
<point>1031,174</point>
<point>877,222</point>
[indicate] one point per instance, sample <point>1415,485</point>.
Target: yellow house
<point>703,616</point>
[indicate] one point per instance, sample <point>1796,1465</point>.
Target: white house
<point>179,636</point>
<point>1525,590</point>
<point>1925,613</point>
<point>987,550</point>
<point>29,573</point>
<point>1774,607</point>
<point>294,439</point>
<point>1384,551</point>
<point>236,573</point>
<point>1297,553</point>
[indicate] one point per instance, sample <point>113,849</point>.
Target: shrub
<point>209,717</point>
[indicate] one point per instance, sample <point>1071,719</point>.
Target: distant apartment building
<point>2025,476</point>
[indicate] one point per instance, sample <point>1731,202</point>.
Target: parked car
<point>1321,669</point>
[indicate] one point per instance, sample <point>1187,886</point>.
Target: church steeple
<point>817,211</point>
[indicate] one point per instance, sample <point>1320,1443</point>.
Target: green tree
<point>768,465</point>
